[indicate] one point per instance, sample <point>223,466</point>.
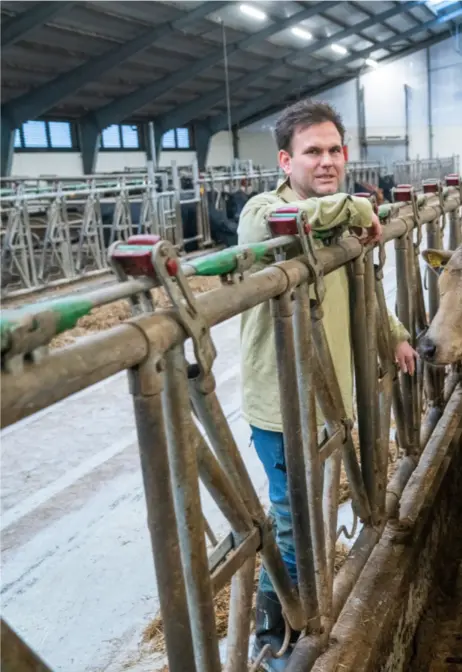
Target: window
<point>44,135</point>
<point>130,137</point>
<point>60,134</point>
<point>110,137</point>
<point>176,138</point>
<point>35,134</point>
<point>120,136</point>
<point>168,140</point>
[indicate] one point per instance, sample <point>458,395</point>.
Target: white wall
<point>221,150</point>
<point>446,88</point>
<point>385,104</point>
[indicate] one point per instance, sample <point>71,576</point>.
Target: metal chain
<point>267,651</point>
<point>343,529</point>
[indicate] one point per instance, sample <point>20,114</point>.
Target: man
<point>310,138</point>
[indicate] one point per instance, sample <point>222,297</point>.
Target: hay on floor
<point>154,633</point>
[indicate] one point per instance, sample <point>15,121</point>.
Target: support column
<point>236,143</point>
<point>152,142</point>
<point>202,135</point>
<point>7,148</point>
<point>89,145</point>
<point>361,120</point>
<point>429,103</point>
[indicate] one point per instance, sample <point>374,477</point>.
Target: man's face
<point>316,165</point>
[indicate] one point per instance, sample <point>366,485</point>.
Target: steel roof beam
<point>261,102</point>
<point>348,78</point>
<point>43,98</point>
<point>320,44</point>
<point>122,107</point>
<point>22,24</point>
<point>192,109</point>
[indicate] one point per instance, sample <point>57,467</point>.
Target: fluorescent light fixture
<point>372,63</point>
<point>253,12</point>
<point>301,32</point>
<point>339,49</point>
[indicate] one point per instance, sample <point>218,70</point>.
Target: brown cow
<point>442,344</point>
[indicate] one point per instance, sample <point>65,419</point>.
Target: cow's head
<point>442,344</point>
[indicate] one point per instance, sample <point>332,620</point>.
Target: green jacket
<point>260,389</point>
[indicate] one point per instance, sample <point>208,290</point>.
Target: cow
<point>442,343</point>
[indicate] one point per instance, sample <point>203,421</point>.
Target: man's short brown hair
<point>302,114</point>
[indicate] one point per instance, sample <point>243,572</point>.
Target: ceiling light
<point>253,12</point>
<point>372,63</point>
<point>339,49</point>
<point>300,32</point>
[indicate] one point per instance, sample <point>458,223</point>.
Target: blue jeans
<point>270,450</point>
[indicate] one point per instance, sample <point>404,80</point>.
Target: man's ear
<point>285,161</point>
<point>436,260</point>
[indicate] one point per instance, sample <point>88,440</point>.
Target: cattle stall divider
<point>173,398</point>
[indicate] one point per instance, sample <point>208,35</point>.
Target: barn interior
<point>156,118</point>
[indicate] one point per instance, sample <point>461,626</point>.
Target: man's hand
<point>405,355</point>
<point>372,234</point>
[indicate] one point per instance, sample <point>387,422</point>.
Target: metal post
<point>146,384</point>
<point>364,400</point>
<point>306,386</point>
<point>282,310</point>
<point>429,104</point>
<point>240,612</point>
<point>404,315</point>
<point>17,656</point>
<point>455,232</point>
<point>182,454</point>
<point>372,372</point>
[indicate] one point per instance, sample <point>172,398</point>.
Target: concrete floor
<point>77,571</point>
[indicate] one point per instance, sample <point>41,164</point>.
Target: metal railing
<point>184,435</point>
<point>415,171</point>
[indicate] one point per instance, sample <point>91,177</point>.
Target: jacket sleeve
<point>398,331</point>
<point>323,213</point>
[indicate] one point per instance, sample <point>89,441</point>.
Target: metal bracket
<point>155,258</point>
<point>290,220</point>
<point>405,193</point>
<point>168,271</point>
<point>244,261</point>
<point>435,187</point>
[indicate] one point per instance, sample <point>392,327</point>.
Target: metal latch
<point>292,221</point>
<point>145,255</point>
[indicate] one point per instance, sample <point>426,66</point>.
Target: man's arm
<point>323,214</point>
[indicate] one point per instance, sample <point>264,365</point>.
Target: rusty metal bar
<point>309,436</point>
<point>146,383</point>
<point>364,394</point>
<point>219,486</point>
<point>212,418</point>
<point>455,229</point>
<point>282,309</point>
<point>182,453</point>
<point>333,410</point>
<point>240,612</point>
<point>380,466</point>
<point>16,655</point>
<point>235,560</point>
<point>404,315</point>
<point>433,463</point>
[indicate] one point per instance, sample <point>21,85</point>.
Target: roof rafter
<point>192,109</point>
<point>122,107</point>
<point>43,98</point>
<point>261,103</point>
<point>22,24</point>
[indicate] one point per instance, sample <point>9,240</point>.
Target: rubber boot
<point>270,629</point>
